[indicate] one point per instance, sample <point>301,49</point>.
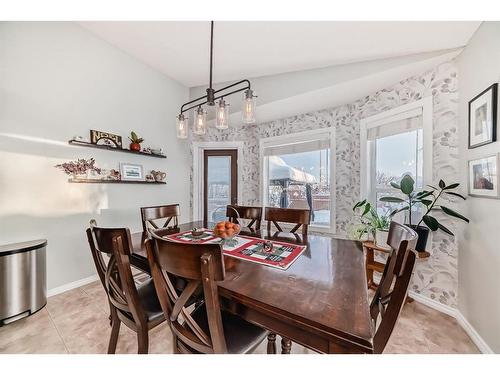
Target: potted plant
<point>427,198</point>
<point>135,142</point>
<point>372,223</point>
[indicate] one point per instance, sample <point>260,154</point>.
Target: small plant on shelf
<point>135,142</point>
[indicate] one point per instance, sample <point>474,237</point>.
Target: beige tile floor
<point>77,322</point>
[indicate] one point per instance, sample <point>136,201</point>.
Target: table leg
<point>286,345</point>
<point>370,259</point>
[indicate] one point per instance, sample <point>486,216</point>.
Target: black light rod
<point>247,87</point>
<point>211,50</point>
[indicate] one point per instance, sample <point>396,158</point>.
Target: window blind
<point>298,147</point>
<point>401,123</point>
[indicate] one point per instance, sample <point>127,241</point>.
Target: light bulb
<point>248,112</point>
<point>181,124</point>
<point>200,121</point>
<point>222,115</point>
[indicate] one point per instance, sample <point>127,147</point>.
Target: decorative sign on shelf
<point>98,137</point>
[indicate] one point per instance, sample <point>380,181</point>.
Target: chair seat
<point>241,336</point>
<point>149,300</point>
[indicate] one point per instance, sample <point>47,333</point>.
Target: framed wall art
<point>483,117</point>
<point>131,172</point>
<point>484,177</point>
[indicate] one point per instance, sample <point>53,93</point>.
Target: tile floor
<point>77,322</point>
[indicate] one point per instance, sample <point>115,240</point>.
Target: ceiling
<point>251,49</point>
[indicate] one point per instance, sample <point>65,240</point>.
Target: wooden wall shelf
<point>109,148</point>
<point>96,181</point>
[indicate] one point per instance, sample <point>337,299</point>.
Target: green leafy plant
<point>370,219</point>
<point>134,138</point>
<point>427,198</point>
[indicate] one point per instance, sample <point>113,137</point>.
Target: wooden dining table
<point>320,301</point>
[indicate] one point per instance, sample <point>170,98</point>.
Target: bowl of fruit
<point>226,231</point>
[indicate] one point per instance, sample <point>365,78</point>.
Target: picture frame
<point>101,138</point>
<point>483,117</point>
<point>131,172</point>
<point>484,179</point>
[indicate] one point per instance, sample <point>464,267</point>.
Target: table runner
<point>247,248</point>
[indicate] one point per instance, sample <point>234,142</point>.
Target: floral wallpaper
<point>435,277</point>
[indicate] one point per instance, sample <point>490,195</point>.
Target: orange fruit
<point>229,224</point>
<point>229,232</point>
<point>236,227</point>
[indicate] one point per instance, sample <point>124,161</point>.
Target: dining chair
<point>207,328</point>
<point>392,290</point>
<point>151,214</point>
<point>254,214</point>
<point>299,217</point>
<point>137,307</point>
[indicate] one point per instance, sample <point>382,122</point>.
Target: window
<point>393,144</point>
<point>297,173</point>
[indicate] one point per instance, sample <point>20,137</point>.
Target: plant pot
<point>135,147</point>
<point>423,235</point>
<point>381,238</point>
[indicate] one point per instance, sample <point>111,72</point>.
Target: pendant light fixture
<point>222,115</point>
<point>222,110</point>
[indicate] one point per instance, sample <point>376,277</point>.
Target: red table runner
<point>247,248</point>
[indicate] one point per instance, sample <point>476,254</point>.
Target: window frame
<point>367,151</point>
<point>298,137</point>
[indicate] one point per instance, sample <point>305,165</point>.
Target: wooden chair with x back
<point>393,287</point>
<point>299,217</point>
<point>135,306</point>
<point>254,214</point>
<point>168,212</point>
<point>207,329</point>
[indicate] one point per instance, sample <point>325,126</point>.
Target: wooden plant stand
<point>374,266</point>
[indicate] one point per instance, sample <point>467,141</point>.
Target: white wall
<point>479,251</point>
<point>58,80</point>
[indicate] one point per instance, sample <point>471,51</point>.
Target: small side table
<point>374,266</point>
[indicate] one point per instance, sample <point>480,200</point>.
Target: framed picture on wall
<point>483,117</point>
<point>484,177</point>
<point>131,172</point>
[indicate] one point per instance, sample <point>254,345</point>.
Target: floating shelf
<point>96,181</point>
<point>104,147</point>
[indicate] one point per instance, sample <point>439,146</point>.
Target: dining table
<point>319,302</point>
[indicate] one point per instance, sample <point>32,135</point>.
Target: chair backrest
<point>393,287</point>
<point>300,217</point>
<point>169,212</point>
<point>202,266</point>
<point>116,276</point>
<point>254,214</point>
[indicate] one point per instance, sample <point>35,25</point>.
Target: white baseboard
<point>473,334</point>
<point>461,320</point>
<point>451,311</point>
<point>72,285</point>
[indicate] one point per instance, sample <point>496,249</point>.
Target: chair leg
<point>271,343</point>
<point>286,345</point>
<point>176,347</point>
<point>115,330</point>
<point>142,341</point>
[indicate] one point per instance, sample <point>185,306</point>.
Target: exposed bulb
<point>249,103</point>
<point>200,121</point>
<point>222,115</point>
<point>181,124</point>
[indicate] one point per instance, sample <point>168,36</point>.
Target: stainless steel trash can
<point>23,279</point>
